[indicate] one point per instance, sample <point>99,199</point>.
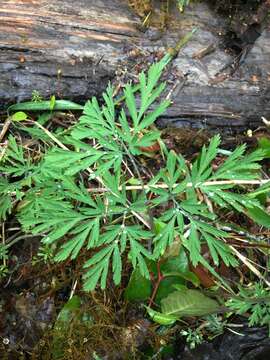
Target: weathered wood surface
<point>72,48</point>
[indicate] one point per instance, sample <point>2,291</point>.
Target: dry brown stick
<point>248,264</point>
<point>188,185</point>
<point>5,128</point>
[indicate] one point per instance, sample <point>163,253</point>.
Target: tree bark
<point>72,49</point>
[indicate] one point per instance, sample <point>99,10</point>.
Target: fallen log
<point>72,49</point>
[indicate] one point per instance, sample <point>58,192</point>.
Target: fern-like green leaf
<point>201,169</point>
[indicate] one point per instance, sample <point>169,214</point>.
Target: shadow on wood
<point>72,49</point>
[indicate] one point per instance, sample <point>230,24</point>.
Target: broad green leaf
<point>45,106</point>
<point>68,311</point>
<point>264,144</point>
<point>180,287</point>
<point>139,288</point>
<point>160,318</point>
<point>190,277</point>
<point>52,102</point>
<point>177,263</point>
<point>178,267</point>
<point>167,286</point>
<point>19,116</point>
<point>188,303</point>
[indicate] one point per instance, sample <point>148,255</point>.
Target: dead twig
<point>188,185</point>
<point>249,265</point>
<point>5,128</point>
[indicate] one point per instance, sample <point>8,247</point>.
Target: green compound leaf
<point>259,216</point>
<point>201,169</point>
<point>78,197</point>
<point>99,267</point>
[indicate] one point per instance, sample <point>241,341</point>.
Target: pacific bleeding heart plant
<point>88,193</point>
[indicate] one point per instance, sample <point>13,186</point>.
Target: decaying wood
<point>72,49</point>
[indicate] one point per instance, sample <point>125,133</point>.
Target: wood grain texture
<point>72,49</point>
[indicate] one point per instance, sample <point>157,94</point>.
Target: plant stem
<point>159,279</point>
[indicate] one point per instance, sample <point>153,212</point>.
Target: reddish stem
<point>160,277</point>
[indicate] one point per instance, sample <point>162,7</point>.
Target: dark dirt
<point>250,344</point>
